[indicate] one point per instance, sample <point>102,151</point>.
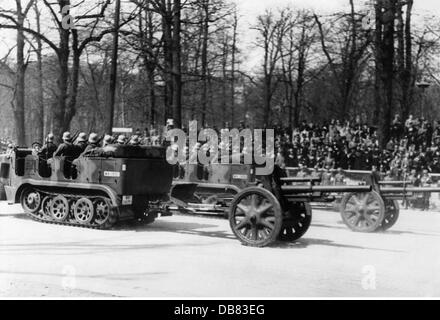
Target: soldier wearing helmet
<point>81,144</point>
<point>135,141</point>
<point>122,140</point>
<point>68,151</point>
<point>49,148</point>
<point>108,140</point>
<point>93,143</point>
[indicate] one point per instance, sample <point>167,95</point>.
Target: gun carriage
<point>380,210</point>
<point>260,209</point>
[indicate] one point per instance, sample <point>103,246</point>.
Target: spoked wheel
<point>105,216</point>
<point>392,212</point>
<point>30,201</point>
<point>83,211</point>
<point>296,223</point>
<point>59,209</point>
<point>363,212</point>
<point>45,208</point>
<point>255,217</point>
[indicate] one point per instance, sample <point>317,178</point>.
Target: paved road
<point>198,257</point>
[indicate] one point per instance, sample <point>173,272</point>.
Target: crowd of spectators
<point>414,147</point>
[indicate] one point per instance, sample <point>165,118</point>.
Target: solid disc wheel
<point>83,211</point>
<point>59,209</point>
<point>255,217</point>
<point>363,212</point>
<point>392,213</point>
<point>30,201</point>
<point>296,223</point>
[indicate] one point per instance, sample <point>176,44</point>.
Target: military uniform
<point>69,152</point>
<point>47,151</point>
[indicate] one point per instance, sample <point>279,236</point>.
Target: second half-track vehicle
<point>96,191</point>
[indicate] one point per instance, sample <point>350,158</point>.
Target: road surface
<point>185,257</point>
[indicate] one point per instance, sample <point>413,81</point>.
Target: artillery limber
<point>210,189</point>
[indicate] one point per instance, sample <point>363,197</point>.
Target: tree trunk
<point>177,65</point>
<point>386,74</point>
<point>114,66</point>
<point>19,110</point>
<point>38,118</point>
<point>233,62</point>
<point>205,31</point>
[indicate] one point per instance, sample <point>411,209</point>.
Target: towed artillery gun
<point>261,210</point>
<point>379,210</point>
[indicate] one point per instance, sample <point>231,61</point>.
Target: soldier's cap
<point>122,139</point>
<point>82,137</point>
<point>93,138</point>
<point>67,136</point>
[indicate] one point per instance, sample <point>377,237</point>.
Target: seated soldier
<point>68,151</point>
<point>81,144</point>
<point>135,141</point>
<point>92,145</point>
<point>46,153</point>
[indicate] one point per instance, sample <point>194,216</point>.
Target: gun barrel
<point>395,183</point>
<point>410,190</point>
<point>289,190</point>
<point>300,180</point>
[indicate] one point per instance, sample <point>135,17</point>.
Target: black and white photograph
<point>219,150</point>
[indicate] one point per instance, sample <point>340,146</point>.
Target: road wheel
<point>392,214</point>
<point>296,223</point>
<point>105,216</point>
<point>363,212</point>
<point>59,209</point>
<point>45,208</point>
<point>30,200</point>
<point>83,210</point>
<point>255,217</point>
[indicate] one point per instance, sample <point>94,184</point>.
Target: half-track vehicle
<point>95,191</point>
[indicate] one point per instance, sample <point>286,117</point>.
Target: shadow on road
<point>388,232</point>
<point>184,228</point>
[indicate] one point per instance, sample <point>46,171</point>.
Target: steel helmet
<point>67,136</point>
<point>122,139</point>
<point>82,137</point>
<point>93,138</point>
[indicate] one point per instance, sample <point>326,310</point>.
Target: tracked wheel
<point>392,213</point>
<point>83,211</point>
<point>363,212</point>
<point>45,208</point>
<point>255,217</point>
<point>105,216</point>
<point>31,201</point>
<point>296,222</point>
<point>59,209</point>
